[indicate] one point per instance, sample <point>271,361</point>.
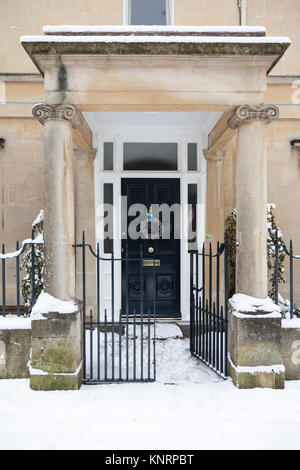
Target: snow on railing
<point>29,290</point>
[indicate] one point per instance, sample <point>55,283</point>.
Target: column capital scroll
<point>61,112</point>
<point>246,113</point>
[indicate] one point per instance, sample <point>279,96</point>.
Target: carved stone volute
<point>246,113</point>
<point>66,112</point>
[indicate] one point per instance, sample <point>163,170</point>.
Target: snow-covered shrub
<point>272,227</point>
<point>271,240</point>
<point>37,229</point>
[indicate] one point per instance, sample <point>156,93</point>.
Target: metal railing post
<point>291,280</point>
<point>3,283</point>
<point>32,270</point>
<point>276,267</point>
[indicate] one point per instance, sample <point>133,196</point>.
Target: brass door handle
<point>150,249</point>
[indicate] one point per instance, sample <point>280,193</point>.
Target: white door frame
<point>181,136</point>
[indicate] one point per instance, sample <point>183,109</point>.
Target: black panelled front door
<point>165,284</point>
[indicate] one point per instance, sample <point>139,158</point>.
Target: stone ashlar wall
<point>14,353</point>
<point>290,334</point>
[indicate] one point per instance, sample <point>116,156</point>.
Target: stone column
<point>214,206</point>
<point>59,222</point>
<point>85,220</point>
<point>251,258</point>
<point>255,358</point>
<point>214,194</point>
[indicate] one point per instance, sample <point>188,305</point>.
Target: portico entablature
<point>154,72</point>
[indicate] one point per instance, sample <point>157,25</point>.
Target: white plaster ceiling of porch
<point>203,121</point>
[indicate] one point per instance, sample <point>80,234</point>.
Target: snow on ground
<point>174,363</point>
<point>149,416</point>
<point>198,411</point>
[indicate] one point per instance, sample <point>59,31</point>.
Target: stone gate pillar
<point>255,358</point>
<point>59,222</point>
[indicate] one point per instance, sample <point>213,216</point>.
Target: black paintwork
<point>165,285</point>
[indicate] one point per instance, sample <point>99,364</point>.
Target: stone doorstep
<point>184,326</point>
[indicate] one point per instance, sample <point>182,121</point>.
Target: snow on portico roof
<point>162,30</point>
<point>155,40</point>
<point>158,39</point>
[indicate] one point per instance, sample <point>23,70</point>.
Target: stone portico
<point>167,71</point>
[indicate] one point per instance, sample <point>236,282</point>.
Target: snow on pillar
<point>59,225</point>
<point>251,258</point>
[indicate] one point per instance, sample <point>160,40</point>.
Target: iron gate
<point>208,306</point>
<point>117,346</point>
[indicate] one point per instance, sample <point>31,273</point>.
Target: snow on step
<point>162,331</point>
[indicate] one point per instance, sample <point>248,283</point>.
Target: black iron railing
<point>293,310</point>
<point>16,300</point>
<point>118,346</point>
<point>208,306</point>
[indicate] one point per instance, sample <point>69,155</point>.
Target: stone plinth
<point>255,358</point>
<point>290,334</point>
<point>56,358</point>
<point>15,341</point>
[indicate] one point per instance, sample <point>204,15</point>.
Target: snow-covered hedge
<point>37,228</point>
<point>272,227</point>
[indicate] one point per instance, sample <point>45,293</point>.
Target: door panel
<point>145,284</point>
